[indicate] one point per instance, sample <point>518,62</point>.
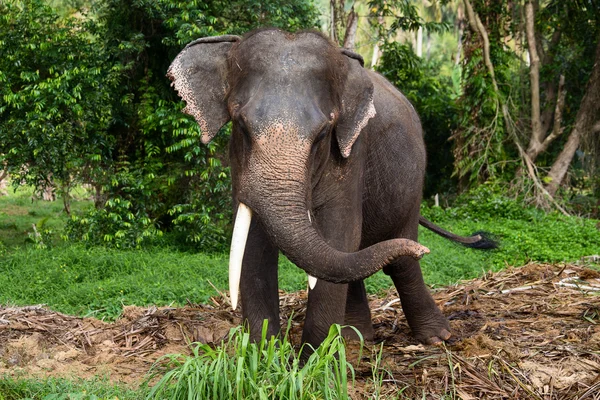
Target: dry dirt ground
<point>529,332</point>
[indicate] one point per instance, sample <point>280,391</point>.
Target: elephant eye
<point>322,134</point>
<point>242,127</point>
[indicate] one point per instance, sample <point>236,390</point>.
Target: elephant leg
<point>258,285</point>
<point>327,301</point>
<point>325,307</point>
<point>358,313</point>
<point>426,321</point>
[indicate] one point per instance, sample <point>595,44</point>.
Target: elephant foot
<point>367,332</point>
<point>431,330</point>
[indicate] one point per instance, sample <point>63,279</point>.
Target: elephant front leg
<point>426,321</point>
<point>258,285</point>
<point>326,304</point>
<point>358,313</point>
<point>340,226</point>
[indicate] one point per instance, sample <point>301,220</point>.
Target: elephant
<point>327,165</point>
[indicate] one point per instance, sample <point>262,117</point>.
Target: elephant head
<point>295,100</point>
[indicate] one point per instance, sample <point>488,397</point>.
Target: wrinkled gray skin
<point>313,131</point>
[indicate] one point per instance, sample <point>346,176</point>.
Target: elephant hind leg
<point>426,321</point>
<point>358,313</point>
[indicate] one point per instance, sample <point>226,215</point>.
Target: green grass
<point>19,211</point>
<point>99,281</point>
<point>13,388</point>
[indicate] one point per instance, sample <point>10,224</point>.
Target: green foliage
<point>86,100</point>
<point>124,221</point>
<point>55,85</point>
<point>203,219</point>
<point>404,15</point>
<point>115,225</point>
<point>269,369</point>
<point>16,388</point>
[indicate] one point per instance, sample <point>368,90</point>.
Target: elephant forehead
<point>282,53</point>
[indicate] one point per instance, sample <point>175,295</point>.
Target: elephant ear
<point>357,103</point>
<point>198,74</point>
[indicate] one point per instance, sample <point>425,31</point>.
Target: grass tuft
<point>269,369</point>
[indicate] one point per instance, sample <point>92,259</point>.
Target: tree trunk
<point>351,27</point>
<point>549,87</point>
<point>3,182</point>
<point>337,20</point>
<point>584,122</point>
<point>419,46</point>
<point>535,142</point>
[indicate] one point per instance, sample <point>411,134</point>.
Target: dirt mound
<point>529,332</point>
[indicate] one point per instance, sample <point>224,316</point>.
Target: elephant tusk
<point>236,254</point>
<point>312,281</point>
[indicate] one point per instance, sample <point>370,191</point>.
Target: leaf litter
<point>529,332</point>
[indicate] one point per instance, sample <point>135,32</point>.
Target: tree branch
<point>477,26</point>
<point>557,129</point>
<point>351,27</point>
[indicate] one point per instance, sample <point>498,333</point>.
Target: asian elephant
<point>327,164</point>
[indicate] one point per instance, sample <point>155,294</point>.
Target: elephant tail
<point>478,240</point>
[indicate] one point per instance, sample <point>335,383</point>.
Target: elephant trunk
<point>281,205</point>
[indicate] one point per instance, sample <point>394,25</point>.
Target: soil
<point>529,332</point>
